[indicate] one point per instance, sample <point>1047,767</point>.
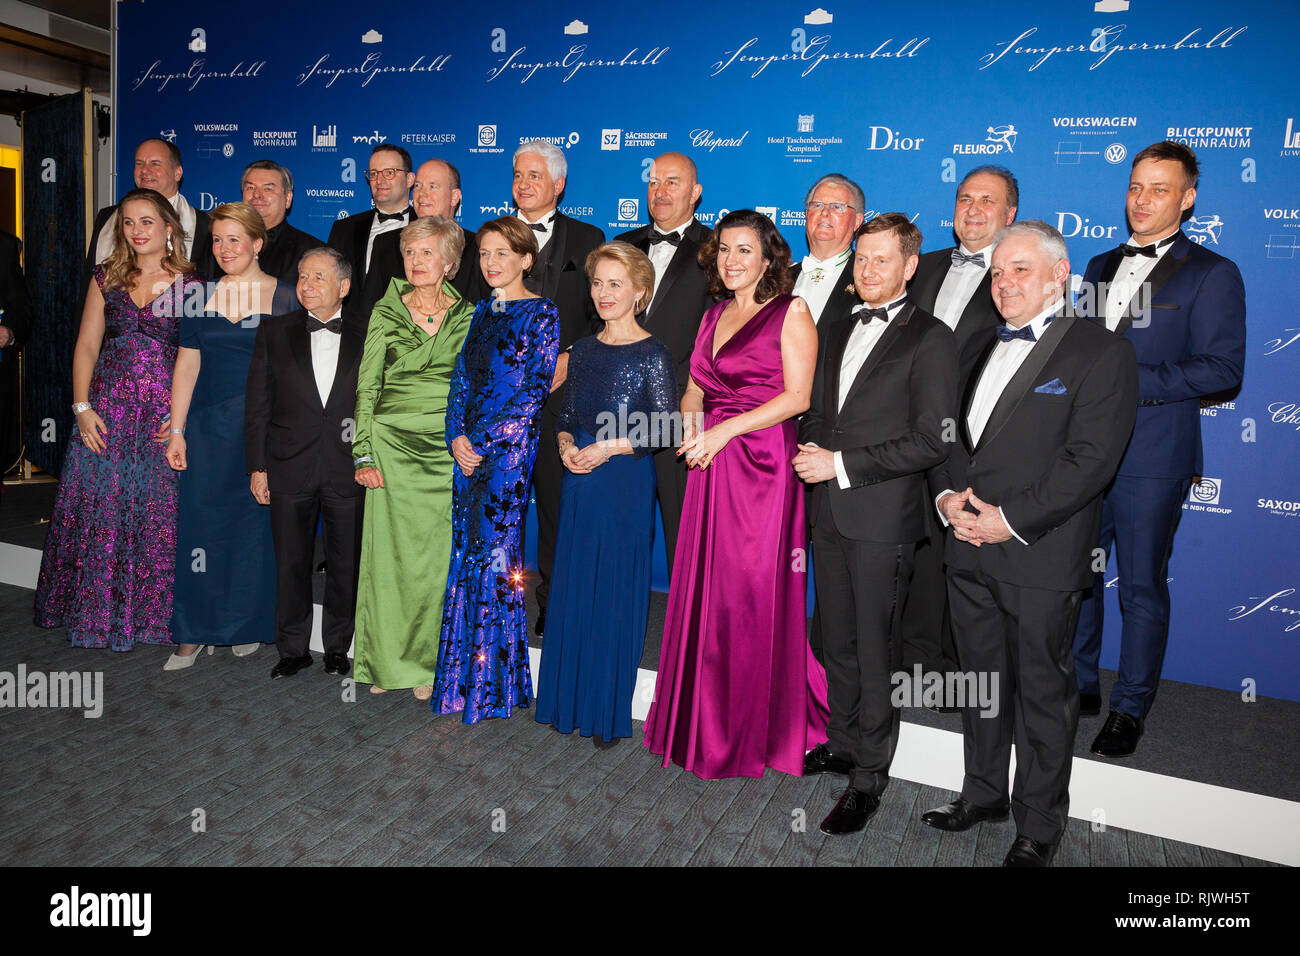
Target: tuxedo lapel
<point>300,348</point>
<point>360,239</point>
<point>968,395</point>
<point>554,255</point>
<point>1103,284</point>
<point>927,289</point>
<point>885,343</point>
<point>977,307</point>
<point>683,256</point>
<point>1156,279</point>
<point>349,355</point>
<point>837,337</point>
<point>1020,383</point>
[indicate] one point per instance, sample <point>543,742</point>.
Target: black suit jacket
<point>1049,450</point>
<point>843,297</point>
<point>890,429</point>
<point>14,300</point>
<point>564,275</point>
<point>681,296</point>
<point>301,444</point>
<point>283,248</point>
<point>205,264</point>
<point>386,264</point>
<point>979,320</point>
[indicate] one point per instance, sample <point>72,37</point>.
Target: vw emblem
<point>1115,153</point>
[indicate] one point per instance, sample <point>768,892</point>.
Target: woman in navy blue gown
<point>619,397</point>
<point>503,375</point>
<point>225,564</point>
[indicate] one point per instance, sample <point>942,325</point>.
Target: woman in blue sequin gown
<point>502,377</point>
<point>225,562</point>
<point>106,574</point>
<point>618,399</point>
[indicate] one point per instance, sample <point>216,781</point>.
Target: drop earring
<point>169,243</point>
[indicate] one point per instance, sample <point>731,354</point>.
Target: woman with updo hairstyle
<point>225,564</point>
<point>738,688</point>
<point>401,456</point>
<point>107,571</point>
<point>503,375</point>
<point>617,409</point>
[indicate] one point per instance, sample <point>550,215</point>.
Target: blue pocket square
<point>1054,387</point>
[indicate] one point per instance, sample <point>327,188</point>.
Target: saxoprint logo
<point>1204,495</point>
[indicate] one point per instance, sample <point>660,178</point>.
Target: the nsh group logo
<point>1204,495</point>
<point>486,140</point>
<point>629,210</point>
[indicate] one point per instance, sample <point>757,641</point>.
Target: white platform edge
<point>1109,794</point>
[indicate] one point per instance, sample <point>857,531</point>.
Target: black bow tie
<point>1150,250</point>
<point>672,238</point>
<point>391,216</point>
<point>1007,334</point>
<point>537,226</point>
<point>960,258</point>
<point>315,325</point>
<point>866,313</point>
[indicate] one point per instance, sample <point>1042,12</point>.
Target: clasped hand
<point>814,464</point>
<point>465,455</point>
<point>983,526</point>
<point>700,448</point>
<point>583,461</point>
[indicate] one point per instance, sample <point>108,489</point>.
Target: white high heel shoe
<point>243,650</point>
<point>178,661</point>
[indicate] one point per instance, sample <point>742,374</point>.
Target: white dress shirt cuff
<point>942,516</point>
<point>1011,529</point>
<point>841,475</point>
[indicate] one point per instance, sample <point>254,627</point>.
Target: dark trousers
<point>548,475</point>
<point>293,530</point>
<point>1024,636</point>
<point>927,625</point>
<point>861,588</point>
<point>1138,517</point>
<point>670,475</point>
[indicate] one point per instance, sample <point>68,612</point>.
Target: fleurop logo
<point>1202,229</point>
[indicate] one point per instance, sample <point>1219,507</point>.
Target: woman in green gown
<point>416,331</point>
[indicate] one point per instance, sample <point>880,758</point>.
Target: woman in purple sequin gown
<point>738,688</point>
<point>106,575</point>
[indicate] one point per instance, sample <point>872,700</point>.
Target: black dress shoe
<point>337,664</point>
<point>962,815</point>
<point>1027,852</point>
<point>540,627</point>
<point>851,812</point>
<point>288,666</point>
<point>1089,704</point>
<point>1118,737</point>
<point>942,709</point>
<point>821,760</point>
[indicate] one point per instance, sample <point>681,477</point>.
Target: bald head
<point>437,189</point>
<point>672,191</point>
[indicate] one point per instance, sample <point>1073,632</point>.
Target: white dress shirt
<point>184,212</point>
<point>1130,275</point>
<point>817,278</point>
<point>325,357</point>
<point>547,222</point>
<point>1001,367</point>
<point>378,228</point>
<point>959,285</point>
<point>661,253</point>
<point>862,341</point>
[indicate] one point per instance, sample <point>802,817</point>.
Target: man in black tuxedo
<point>268,187</point>
<point>301,394</point>
<point>833,208</point>
<point>15,326</point>
<point>953,285</point>
<point>681,297</point>
<point>436,193</point>
<point>560,274</point>
<point>1046,415</point>
<point>883,395</point>
<point>390,179</point>
<point>157,166</point>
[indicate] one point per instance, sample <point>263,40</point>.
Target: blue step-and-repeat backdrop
<point>766,97</point>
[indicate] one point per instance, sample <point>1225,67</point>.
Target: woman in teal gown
<point>400,453</point>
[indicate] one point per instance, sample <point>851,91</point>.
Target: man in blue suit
<point>1184,309</point>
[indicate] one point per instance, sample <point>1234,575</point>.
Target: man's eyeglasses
<point>839,208</point>
<point>389,173</point>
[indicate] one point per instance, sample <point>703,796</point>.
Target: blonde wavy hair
<point>120,268</point>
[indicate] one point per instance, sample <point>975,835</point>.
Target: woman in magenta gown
<point>738,688</point>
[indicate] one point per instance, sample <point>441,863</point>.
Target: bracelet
<point>79,407</point>
<point>363,460</point>
<point>565,444</point>
<point>178,431</point>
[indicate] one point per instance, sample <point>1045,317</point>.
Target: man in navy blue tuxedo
<point>1184,309</point>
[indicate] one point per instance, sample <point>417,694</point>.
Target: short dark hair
<point>172,148</point>
<point>342,268</point>
<point>521,240</point>
<point>286,177</point>
<point>776,279</point>
<point>393,148</point>
<point>1175,152</point>
<point>909,237</point>
<point>452,172</point>
<point>1004,174</point>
